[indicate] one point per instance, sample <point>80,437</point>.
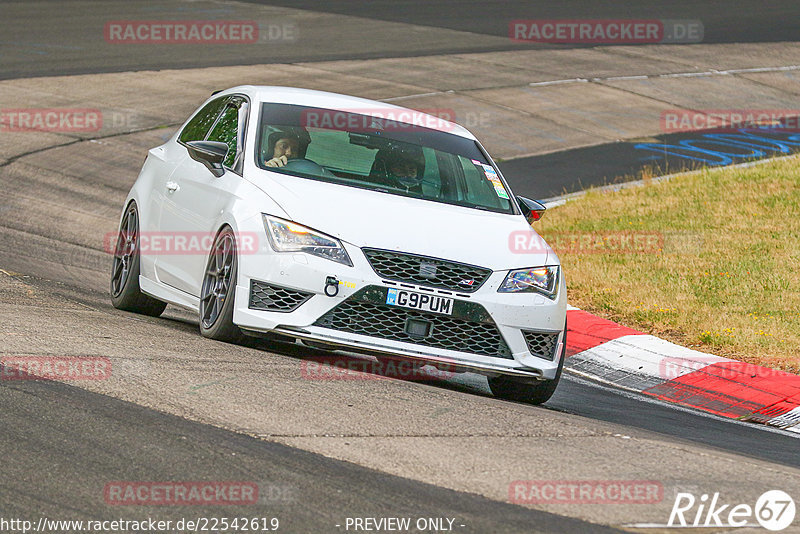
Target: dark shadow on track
<point>725,21</point>
<point>67,444</point>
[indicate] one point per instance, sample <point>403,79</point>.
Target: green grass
<point>724,276</point>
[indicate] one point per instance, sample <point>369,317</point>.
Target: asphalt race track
<point>93,435</point>
<point>723,20</point>
<point>568,171</point>
<point>58,39</point>
<point>183,408</point>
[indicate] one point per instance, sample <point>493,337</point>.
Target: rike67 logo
<point>774,510</point>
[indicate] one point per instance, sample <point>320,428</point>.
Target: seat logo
<point>427,270</point>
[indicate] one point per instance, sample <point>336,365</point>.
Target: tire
<point>124,288</point>
<point>510,388</point>
<point>218,292</point>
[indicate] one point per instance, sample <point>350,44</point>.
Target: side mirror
<point>532,209</point>
<point>209,153</point>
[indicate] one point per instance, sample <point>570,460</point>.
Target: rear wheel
<point>510,388</point>
<point>125,292</point>
<point>219,288</point>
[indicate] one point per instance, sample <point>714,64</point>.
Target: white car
<point>349,223</point>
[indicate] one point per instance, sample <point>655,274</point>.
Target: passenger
<point>400,166</point>
<point>290,142</point>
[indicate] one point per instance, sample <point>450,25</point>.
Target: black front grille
<point>268,297</point>
<point>541,345</point>
<point>426,271</point>
<point>389,322</point>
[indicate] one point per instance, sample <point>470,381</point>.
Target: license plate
<point>419,301</point>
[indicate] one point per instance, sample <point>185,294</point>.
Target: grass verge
<point>708,260</point>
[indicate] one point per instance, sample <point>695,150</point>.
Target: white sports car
<point>349,223</point>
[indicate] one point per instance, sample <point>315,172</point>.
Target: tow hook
<point>331,282</point>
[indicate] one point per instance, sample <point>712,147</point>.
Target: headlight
<point>542,280</point>
<point>286,236</point>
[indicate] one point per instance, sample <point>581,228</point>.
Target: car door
<point>164,189</point>
<point>196,206</point>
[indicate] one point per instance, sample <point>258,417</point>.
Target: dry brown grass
<point>725,275</point>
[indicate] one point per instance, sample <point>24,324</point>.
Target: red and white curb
<point>608,352</point>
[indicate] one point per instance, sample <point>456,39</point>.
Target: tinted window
<point>383,154</point>
<point>198,127</point>
<point>225,131</point>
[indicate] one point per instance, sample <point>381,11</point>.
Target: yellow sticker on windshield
<point>491,175</point>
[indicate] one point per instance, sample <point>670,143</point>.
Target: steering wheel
<point>303,165</point>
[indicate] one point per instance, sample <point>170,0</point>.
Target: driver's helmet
<point>287,132</point>
<point>403,164</point>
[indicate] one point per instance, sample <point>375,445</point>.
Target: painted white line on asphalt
<point>665,525</point>
<point>418,95</point>
<point>690,74</point>
<point>612,78</point>
<point>558,82</point>
<point>760,69</point>
<point>700,74</point>
<point>712,72</point>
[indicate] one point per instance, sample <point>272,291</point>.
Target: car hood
<point>367,218</point>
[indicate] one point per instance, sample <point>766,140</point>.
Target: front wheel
<point>510,388</point>
<point>125,292</point>
<point>218,291</point>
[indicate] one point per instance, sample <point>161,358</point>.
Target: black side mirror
<point>532,209</point>
<point>209,153</point>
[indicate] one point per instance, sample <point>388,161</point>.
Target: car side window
<point>197,128</point>
<point>226,131</point>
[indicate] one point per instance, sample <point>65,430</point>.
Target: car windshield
<point>381,153</point>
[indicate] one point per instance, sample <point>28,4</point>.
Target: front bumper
<point>510,314</point>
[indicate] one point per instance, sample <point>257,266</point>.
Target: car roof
<point>339,102</point>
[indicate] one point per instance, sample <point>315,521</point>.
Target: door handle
<point>172,186</point>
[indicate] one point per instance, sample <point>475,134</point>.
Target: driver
<point>288,142</point>
<point>401,166</point>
